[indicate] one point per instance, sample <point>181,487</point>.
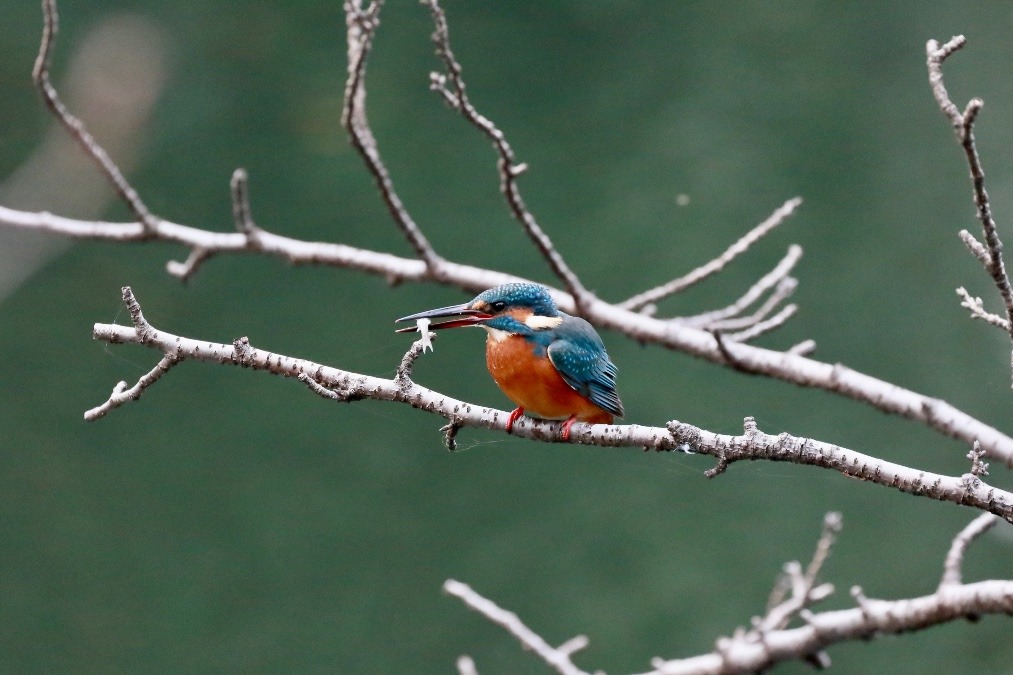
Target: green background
<point>230,521</point>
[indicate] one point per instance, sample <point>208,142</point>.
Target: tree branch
<point>990,254</point>
<point>75,127</point>
<point>344,385</point>
<point>768,643</point>
<point>121,394</point>
<point>362,24</point>
<point>802,585</point>
<point>976,307</point>
<point>714,266</point>
<point>771,279</point>
<point>557,657</point>
<point>955,558</point>
<point>509,169</point>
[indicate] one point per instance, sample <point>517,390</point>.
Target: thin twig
<point>963,126</point>
<point>450,430</point>
<point>186,269</point>
<point>765,326</point>
<point>362,25</point>
<point>802,585</point>
<point>833,522</point>
<point>321,390</point>
<point>978,467</point>
<point>403,378</point>
<point>977,309</point>
<point>242,215</point>
<point>714,266</point>
<point>121,394</point>
<point>784,289</point>
<point>803,348</point>
<point>769,280</point>
<point>509,169</point>
<point>955,557</point>
<point>557,658</point>
<point>75,126</point>
<point>976,248</point>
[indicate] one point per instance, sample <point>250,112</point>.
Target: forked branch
<point>76,128</point>
<point>989,253</point>
<point>362,22</point>
<point>769,642</point>
<point>717,264</point>
<point>456,96</point>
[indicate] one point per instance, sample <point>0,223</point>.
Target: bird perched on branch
<point>547,362</point>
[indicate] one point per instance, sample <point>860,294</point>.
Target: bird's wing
<point>586,368</point>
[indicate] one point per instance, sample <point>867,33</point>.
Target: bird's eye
<point>498,306</point>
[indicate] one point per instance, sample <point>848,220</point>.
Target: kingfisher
<point>550,364</point>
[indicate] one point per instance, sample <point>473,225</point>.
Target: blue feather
<point>579,355</point>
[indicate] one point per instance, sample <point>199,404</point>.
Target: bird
<point>550,364</point>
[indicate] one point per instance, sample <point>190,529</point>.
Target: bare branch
<point>977,309</point>
<point>804,591</point>
<point>754,444</point>
<point>121,394</point>
<point>296,251</point>
<point>758,649</point>
<point>804,348</point>
<point>241,213</point>
<point>781,214</point>
<point>321,390</point>
<point>186,269</point>
<point>770,280</point>
<point>362,25</point>
<point>963,125</point>
<point>978,467</point>
<point>955,558</point>
<point>765,326</point>
<point>75,126</point>
<point>785,289</point>
<point>968,490</point>
<point>976,248</point>
<point>557,658</point>
<point>509,169</point>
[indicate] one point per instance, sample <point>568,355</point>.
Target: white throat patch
<point>495,334</point>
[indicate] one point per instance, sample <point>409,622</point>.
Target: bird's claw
<point>566,427</point>
<point>514,416</point>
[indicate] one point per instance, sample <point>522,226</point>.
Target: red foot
<point>566,426</point>
<point>514,416</point>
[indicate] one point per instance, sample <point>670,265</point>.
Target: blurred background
<point>230,521</point>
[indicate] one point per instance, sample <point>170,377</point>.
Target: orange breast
<point>533,383</point>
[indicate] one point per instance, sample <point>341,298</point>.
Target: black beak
<point>467,317</point>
